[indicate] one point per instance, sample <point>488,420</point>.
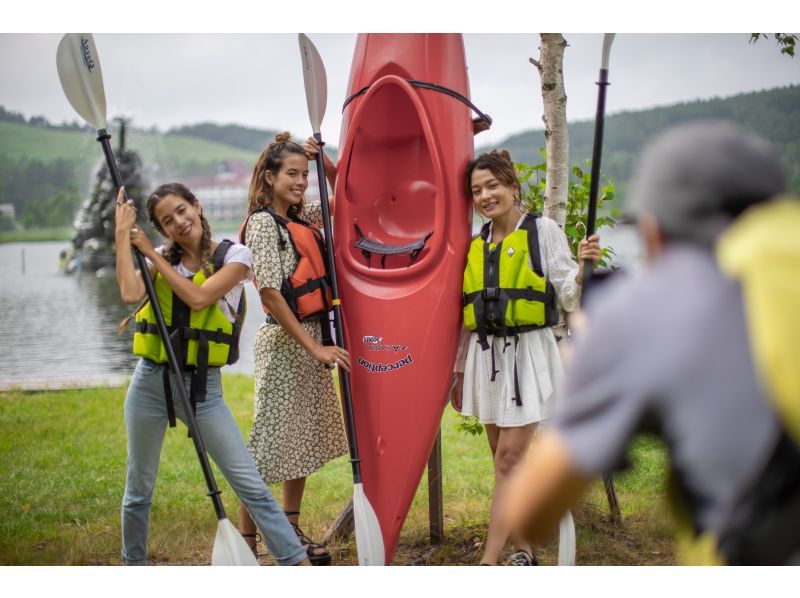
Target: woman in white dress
<point>510,382</point>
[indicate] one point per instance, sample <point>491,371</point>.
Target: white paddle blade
<point>369,539</point>
<point>608,39</point>
<point>315,81</point>
<point>230,548</point>
<point>81,78</point>
<point>566,541</point>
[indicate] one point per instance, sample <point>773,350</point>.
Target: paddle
<point>369,540</point>
<point>597,150</point>
<point>82,80</point>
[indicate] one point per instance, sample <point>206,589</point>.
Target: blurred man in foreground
<point>700,349</point>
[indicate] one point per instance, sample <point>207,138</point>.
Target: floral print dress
<point>297,425</point>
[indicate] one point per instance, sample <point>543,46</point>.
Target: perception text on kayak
<point>374,343</point>
<point>385,367</point>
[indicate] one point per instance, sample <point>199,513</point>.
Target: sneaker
<point>520,558</point>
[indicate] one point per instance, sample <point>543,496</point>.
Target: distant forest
<point>253,140</point>
<point>40,121</point>
<point>47,192</point>
<point>775,114</point>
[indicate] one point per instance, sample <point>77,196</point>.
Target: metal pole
<point>435,506</point>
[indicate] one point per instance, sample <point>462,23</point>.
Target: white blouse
<point>539,369</point>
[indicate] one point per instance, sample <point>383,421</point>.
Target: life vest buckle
<point>490,294</point>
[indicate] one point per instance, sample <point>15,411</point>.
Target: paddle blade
<point>230,548</point>
<point>566,541</point>
<point>315,81</point>
<point>369,540</point>
<point>81,78</point>
<point>608,39</point>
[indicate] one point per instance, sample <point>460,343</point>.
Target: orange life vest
<point>307,289</point>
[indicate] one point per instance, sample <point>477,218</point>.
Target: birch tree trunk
<point>550,67</point>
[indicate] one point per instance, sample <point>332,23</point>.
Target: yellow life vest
<point>761,250</point>
<point>199,338</point>
<point>503,295</point>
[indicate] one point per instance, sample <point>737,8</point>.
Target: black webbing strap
<point>309,287</point>
<point>529,225</point>
<point>434,87</point>
<point>218,259</point>
<point>370,246</point>
<point>181,316</point>
<point>528,293</point>
<point>168,397</point>
<point>216,336</point>
<point>490,304</point>
<point>200,373</point>
<point>517,398</point>
<point>146,327</point>
<point>495,371</point>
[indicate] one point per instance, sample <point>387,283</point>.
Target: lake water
<point>63,328</point>
<point>59,328</point>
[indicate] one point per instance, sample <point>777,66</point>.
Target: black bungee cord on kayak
<point>433,86</point>
<point>369,246</point>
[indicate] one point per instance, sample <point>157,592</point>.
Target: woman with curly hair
<point>198,282</point>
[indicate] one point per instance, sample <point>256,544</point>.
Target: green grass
<point>62,468</point>
<point>34,235</point>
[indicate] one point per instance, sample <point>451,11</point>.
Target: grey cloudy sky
<point>255,79</point>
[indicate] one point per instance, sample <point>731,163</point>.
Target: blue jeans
<point>146,422</point>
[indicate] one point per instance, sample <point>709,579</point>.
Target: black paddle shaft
<point>214,492</point>
<point>591,219</point>
<point>594,185</point>
<point>337,315</point>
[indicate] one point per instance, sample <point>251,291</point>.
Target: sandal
<point>317,553</point>
<point>254,545</point>
<point>521,558</point>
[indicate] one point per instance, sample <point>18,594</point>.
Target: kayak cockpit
<point>390,184</point>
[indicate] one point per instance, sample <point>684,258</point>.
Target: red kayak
<point>402,229</point>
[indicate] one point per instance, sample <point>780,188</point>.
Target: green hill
<point>252,140</point>
<point>40,161</point>
<point>775,114</point>
<point>18,141</point>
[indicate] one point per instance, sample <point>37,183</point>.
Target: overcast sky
<point>255,79</point>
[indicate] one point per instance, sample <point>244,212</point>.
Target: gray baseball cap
<point>697,177</point>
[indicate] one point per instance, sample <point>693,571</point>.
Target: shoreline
<point>45,384</point>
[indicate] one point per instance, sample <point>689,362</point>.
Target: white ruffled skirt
<point>540,374</point>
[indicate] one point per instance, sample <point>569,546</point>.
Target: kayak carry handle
<point>370,246</point>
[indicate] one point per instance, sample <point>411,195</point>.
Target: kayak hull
<point>403,152</point>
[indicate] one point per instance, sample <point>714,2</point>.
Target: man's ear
<point>652,237</point>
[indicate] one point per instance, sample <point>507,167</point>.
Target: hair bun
<point>505,155</point>
<point>283,137</point>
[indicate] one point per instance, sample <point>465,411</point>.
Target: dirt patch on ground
<point>600,542</point>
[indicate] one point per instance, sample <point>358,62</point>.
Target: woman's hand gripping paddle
<point>82,80</point>
<point>369,540</point>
